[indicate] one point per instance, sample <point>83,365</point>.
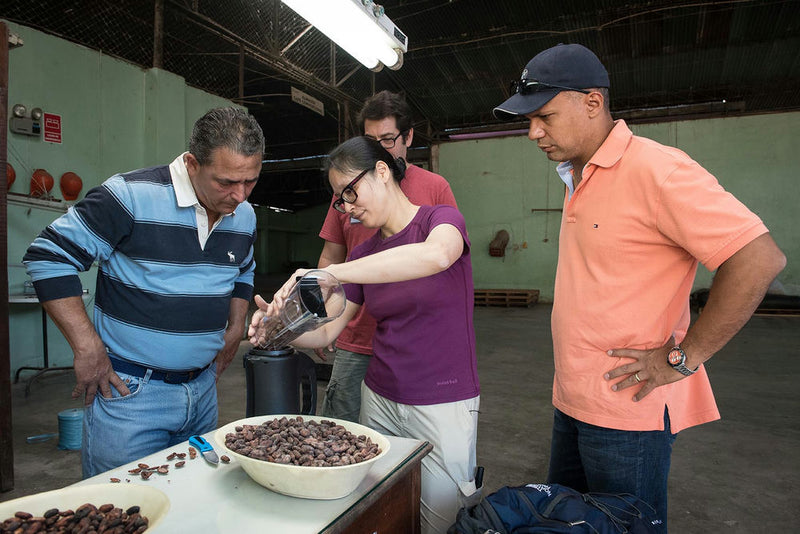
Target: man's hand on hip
<point>650,369</point>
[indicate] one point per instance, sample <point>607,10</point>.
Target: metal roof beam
<point>280,64</point>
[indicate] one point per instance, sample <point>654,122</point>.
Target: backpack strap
<point>527,502</point>
<point>494,519</point>
<point>563,496</point>
<point>545,520</point>
<point>554,502</point>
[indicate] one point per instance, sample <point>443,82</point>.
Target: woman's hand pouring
<point>257,330</point>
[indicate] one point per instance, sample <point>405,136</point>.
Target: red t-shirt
<point>422,188</point>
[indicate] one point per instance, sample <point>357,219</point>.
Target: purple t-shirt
<point>424,345</point>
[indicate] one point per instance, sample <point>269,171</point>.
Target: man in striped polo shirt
<point>174,248</point>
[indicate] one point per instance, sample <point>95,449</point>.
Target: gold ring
<point>636,376</point>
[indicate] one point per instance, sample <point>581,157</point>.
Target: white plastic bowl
<point>306,482</point>
<point>153,503</point>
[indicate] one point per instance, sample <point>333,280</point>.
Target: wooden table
<point>209,499</point>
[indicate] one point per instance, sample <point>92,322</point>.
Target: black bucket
<point>280,382</point>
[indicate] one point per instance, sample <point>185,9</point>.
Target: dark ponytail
<point>359,153</point>
<point>401,168</point>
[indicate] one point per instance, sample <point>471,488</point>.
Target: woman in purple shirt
<point>415,275</point>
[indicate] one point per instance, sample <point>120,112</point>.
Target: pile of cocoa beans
<point>87,518</point>
<point>299,442</point>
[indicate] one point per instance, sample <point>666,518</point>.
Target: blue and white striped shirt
<point>163,295</point>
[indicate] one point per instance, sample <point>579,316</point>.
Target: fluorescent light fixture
<point>360,27</point>
<point>485,135</point>
<point>274,208</point>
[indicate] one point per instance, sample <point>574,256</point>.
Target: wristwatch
<point>677,359</point>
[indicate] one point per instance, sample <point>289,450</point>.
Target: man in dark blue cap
<point>638,217</point>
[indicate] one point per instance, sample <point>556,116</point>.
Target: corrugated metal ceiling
<point>667,59</point>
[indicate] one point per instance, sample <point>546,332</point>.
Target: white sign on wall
<point>308,101</point>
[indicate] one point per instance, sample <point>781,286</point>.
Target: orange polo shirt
<point>631,237</point>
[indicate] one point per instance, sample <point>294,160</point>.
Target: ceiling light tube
<point>358,28</point>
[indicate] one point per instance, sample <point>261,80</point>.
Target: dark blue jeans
<point>591,458</point>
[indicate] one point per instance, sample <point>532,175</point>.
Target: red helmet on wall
<point>41,183</point>
<point>11,175</point>
<point>70,185</point>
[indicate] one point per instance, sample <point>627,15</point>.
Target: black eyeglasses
<point>349,194</point>
<point>389,142</point>
<point>526,87</point>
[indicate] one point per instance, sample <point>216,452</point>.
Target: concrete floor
<point>737,475</point>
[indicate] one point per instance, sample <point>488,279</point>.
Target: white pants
<point>448,472</point>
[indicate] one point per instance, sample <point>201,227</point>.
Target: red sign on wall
<point>52,128</point>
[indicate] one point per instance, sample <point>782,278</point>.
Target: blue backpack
<point>551,508</point>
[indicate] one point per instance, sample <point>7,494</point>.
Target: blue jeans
<point>155,415</point>
<point>343,394</point>
<point>591,458</point>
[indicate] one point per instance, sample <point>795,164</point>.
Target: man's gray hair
<point>232,128</point>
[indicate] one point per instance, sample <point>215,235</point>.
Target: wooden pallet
<point>771,312</point>
<point>506,297</point>
<point>777,312</point>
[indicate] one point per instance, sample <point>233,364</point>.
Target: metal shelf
<point>39,203</point>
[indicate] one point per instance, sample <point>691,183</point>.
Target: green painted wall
<point>286,238</point>
<point>497,182</point>
<point>115,117</point>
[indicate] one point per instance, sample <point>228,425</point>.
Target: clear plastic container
<point>317,298</point>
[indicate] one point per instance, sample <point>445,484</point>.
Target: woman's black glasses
<point>526,87</point>
<point>349,194</point>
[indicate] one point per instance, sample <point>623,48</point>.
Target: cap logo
<point>524,74</point>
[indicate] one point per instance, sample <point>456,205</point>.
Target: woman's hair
<point>360,153</point>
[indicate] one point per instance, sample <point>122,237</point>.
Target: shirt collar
<point>612,149</point>
<point>184,192</point>
<point>609,153</point>
<point>564,170</point>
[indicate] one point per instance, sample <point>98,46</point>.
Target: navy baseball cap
<point>565,67</point>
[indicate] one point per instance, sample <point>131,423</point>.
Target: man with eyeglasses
<point>638,217</point>
<point>387,118</point>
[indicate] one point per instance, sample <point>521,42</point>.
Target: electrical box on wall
<point>26,124</point>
